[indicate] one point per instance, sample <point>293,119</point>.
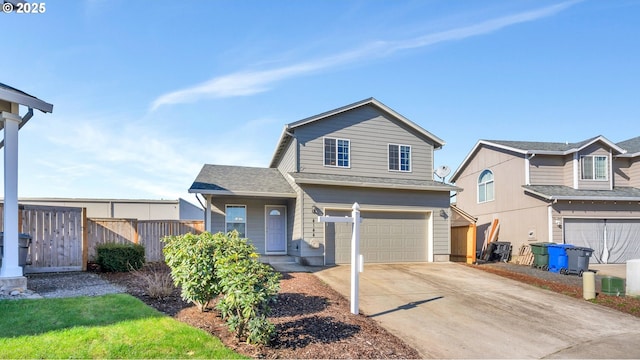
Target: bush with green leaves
<point>226,266</point>
<point>114,257</point>
<point>192,262</point>
<point>248,288</point>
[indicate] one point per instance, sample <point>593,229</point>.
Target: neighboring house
<point>126,208</point>
<point>364,152</point>
<point>585,193</point>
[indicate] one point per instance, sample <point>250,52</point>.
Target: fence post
<point>135,234</point>
<point>85,239</point>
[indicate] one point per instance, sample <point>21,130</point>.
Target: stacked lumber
<point>525,256</point>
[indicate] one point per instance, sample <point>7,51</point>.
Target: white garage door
<point>385,237</point>
<point>613,241</point>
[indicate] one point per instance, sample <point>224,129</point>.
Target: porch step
<point>277,259</point>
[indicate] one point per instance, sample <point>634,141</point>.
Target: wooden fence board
<point>64,239</point>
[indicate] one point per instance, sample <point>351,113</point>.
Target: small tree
<point>192,262</point>
<point>248,287</point>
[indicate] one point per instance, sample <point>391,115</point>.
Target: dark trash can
<point>540,255</point>
<point>578,260</point>
<point>24,241</point>
<point>498,251</point>
<point>558,259</point>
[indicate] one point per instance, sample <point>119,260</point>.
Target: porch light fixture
<point>317,211</point>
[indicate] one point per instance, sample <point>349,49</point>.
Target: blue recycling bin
<point>558,259</point>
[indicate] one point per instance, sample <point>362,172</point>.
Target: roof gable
<point>538,147</point>
<point>288,130</point>
<point>242,181</point>
<point>14,95</point>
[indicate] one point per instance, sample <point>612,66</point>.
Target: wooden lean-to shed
<point>463,236</point>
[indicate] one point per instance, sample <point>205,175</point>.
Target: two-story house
<point>363,152</point>
<point>585,193</point>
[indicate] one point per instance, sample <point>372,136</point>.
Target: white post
<point>10,267</point>
<point>355,257</point>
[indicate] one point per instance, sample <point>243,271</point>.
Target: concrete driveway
<point>448,310</point>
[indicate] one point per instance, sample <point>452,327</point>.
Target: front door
<point>276,229</point>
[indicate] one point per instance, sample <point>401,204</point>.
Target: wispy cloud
<point>244,83</point>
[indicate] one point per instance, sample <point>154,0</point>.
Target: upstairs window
<point>236,219</point>
<point>594,168</point>
<point>336,152</point>
<point>399,157</point>
<point>485,186</point>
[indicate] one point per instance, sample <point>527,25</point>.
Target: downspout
<point>527,172</point>
<point>610,170</point>
<point>550,218</point>
<point>576,175</point>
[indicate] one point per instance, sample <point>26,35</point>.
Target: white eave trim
<point>25,100</point>
<point>582,198</point>
<point>378,185</point>
<point>243,193</point>
<point>476,147</point>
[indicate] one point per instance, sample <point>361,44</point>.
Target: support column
<point>207,214</point>
<point>10,267</point>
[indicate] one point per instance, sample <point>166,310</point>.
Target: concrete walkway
<point>447,310</point>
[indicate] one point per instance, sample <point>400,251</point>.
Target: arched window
<point>485,186</point>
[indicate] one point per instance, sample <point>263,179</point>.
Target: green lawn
<point>111,326</point>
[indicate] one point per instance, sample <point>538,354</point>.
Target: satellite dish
<point>442,171</point>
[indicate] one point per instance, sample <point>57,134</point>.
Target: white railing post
<point>355,257</point>
<point>10,263</point>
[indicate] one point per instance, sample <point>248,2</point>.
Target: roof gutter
<point>378,185</point>
<point>242,193</point>
<point>556,198</point>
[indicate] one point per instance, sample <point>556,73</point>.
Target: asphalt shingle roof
<point>632,145</point>
<point>560,192</point>
<point>348,180</point>
<point>541,146</point>
<point>241,180</point>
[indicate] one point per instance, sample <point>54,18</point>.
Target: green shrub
<point>248,287</point>
<point>192,262</point>
<point>226,266</point>
<point>120,257</point>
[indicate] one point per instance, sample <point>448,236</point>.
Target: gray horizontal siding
<point>369,132</point>
<point>255,217</point>
<point>547,170</point>
<point>288,160</point>
<point>622,172</point>
<point>634,172</point>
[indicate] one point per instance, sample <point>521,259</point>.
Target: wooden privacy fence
<point>64,239</point>
<point>144,232</point>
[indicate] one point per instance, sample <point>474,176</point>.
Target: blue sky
<point>145,92</point>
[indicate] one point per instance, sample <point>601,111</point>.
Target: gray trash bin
<point>24,241</point>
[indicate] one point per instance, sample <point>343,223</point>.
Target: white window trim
<point>246,218</point>
<point>608,169</point>
<point>324,162</point>
<point>485,183</point>
<point>399,165</point>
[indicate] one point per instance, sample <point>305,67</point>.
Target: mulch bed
<point>312,322</point>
